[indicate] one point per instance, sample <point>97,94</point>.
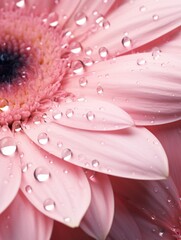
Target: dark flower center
<point>10,66</point>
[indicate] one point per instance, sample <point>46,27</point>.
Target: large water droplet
<point>41,174</point>
<point>49,205</point>
<point>95,163</point>
<point>7,146</point>
<point>67,154</point>
<point>80,19</point>
<point>43,138</point>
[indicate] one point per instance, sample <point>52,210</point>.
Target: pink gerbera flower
<point>79,80</point>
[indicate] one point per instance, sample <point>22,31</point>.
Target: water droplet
<point>161,233</point>
<point>106,24</point>
<point>103,52</point>
<point>7,146</point>
<point>28,189</point>
<point>65,171</point>
<point>77,67</point>
<point>100,90</point>
<point>99,20</point>
<point>80,19</point>
<point>43,138</point>
<point>20,4</point>
<point>67,219</point>
<point>95,163</point>
<point>126,42</point>
<point>24,168</point>
<point>41,174</point>
<point>67,154</point>
<point>156,53</point>
<point>75,47</point>
<point>90,116</point>
<point>16,126</point>
<point>69,113</point>
<point>88,51</point>
<point>57,115</point>
<point>88,61</point>
<point>4,105</point>
<point>83,82</point>
<point>142,9</point>
<point>59,144</point>
<point>155,17</point>
<point>37,119</point>
<point>141,62</point>
<point>49,205</point>
<point>53,19</point>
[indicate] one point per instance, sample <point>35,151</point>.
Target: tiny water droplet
<point>24,168</point>
<point>100,90</point>
<point>69,113</point>
<point>67,154</point>
<point>90,116</point>
<point>126,42</point>
<point>49,205</point>
<point>106,24</point>
<point>80,19</point>
<point>141,62</point>
<point>156,53</point>
<point>88,51</point>
<point>59,144</point>
<point>4,105</point>
<point>7,146</point>
<point>43,138</point>
<point>161,233</point>
<point>41,174</point>
<point>16,126</point>
<point>83,82</point>
<point>95,163</point>
<point>67,219</point>
<point>103,52</point>
<point>28,189</point>
<point>155,17</point>
<point>65,171</point>
<point>142,9</point>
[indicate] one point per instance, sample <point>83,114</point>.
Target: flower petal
<point>89,114</point>
<point>142,21</point>
<point>10,173</point>
<point>157,201</point>
<point>148,89</point>
<point>123,222</point>
<point>133,152</point>
<point>22,221</point>
<point>99,216</point>
<point>53,186</point>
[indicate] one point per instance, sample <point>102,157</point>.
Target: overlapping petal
<point>98,218</point>
<point>10,173</point>
<point>53,186</point>
<point>133,152</point>
<point>89,114</point>
<point>22,221</point>
<point>138,21</point>
<point>146,85</point>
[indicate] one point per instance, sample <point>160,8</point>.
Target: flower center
<point>31,66</point>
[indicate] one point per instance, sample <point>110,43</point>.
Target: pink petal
<point>89,114</point>
<point>53,186</point>
<point>10,174</point>
<point>40,7</point>
<point>62,232</point>
<point>157,201</point>
<point>170,136</point>
<point>124,225</point>
<point>22,221</point>
<point>133,152</point>
<point>141,21</point>
<point>148,89</point>
<point>99,216</point>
